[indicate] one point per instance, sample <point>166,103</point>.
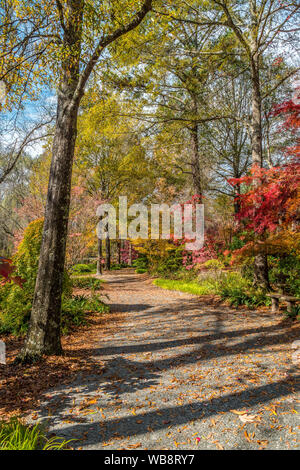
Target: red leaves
<point>5,267</point>
<point>292,110</point>
<point>272,203</point>
<point>272,198</point>
<point>6,271</point>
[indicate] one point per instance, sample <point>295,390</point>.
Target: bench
<point>275,298</point>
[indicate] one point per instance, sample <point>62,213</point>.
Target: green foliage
<point>16,302</point>
<point>169,264</point>
<point>15,435</point>
<point>75,311</point>
<point>238,241</point>
<point>26,259</point>
<point>141,264</point>
<point>229,286</point>
<point>87,283</point>
<point>237,290</point>
<point>83,268</point>
<point>247,270</point>
<point>294,313</point>
<point>188,275</point>
<point>15,309</point>
<point>117,267</point>
<point>214,264</point>
<point>284,272</point>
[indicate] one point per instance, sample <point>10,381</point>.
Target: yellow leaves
<point>93,401</point>
<point>87,403</point>
<point>155,250</point>
<point>272,409</point>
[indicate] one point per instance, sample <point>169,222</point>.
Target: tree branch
<point>110,38</point>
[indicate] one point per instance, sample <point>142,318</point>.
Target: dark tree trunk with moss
<point>261,271</point>
<point>99,260</point>
<point>237,202</point>
<point>195,163</point>
<point>44,331</point>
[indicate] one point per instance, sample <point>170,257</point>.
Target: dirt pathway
<point>179,373</point>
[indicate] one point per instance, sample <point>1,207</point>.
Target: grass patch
<point>192,287</point>
<point>231,287</point>
<point>15,435</point>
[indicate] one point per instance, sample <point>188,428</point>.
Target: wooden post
<point>275,304</point>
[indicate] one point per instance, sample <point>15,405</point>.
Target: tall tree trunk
<point>195,160</point>
<point>108,254</point>
<point>237,202</point>
<point>44,331</point>
<point>256,127</point>
<point>119,251</point>
<point>261,272</point>
<point>99,260</point>
<point>195,163</point>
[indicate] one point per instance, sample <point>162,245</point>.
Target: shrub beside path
<point>182,373</point>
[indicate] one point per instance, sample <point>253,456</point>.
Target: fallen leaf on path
<point>236,412</point>
<point>219,446</point>
<point>249,418</point>
<point>134,446</point>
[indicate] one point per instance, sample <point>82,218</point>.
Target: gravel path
<point>182,373</point>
